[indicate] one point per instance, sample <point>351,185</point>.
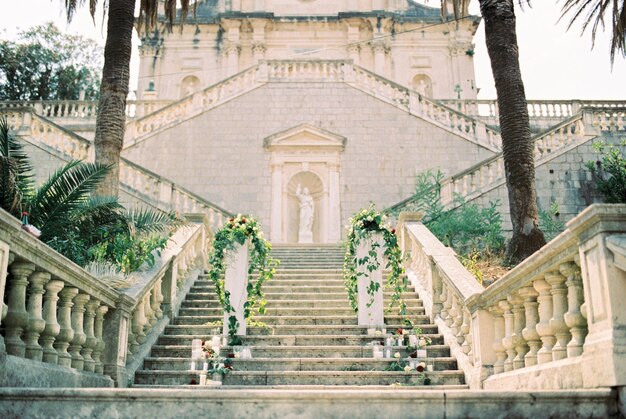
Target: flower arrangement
<point>238,230</point>
<point>215,364</point>
<point>362,226</point>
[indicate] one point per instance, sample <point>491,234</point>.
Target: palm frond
<point>16,179</point>
<point>90,217</point>
<point>594,13</point>
<point>149,221</point>
<point>63,192</point>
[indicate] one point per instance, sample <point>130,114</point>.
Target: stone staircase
<point>311,339</point>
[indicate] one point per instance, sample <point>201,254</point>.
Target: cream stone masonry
<point>552,322</point>
<point>370,304</point>
<point>236,284</point>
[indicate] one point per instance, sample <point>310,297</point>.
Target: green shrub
<point>549,222</point>
<point>610,171</point>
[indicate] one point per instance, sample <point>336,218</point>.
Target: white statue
<point>307,208</point>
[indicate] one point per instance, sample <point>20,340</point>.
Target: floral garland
<point>362,226</point>
<point>237,231</point>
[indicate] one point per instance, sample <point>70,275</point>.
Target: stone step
<point>288,330</point>
<point>297,364</point>
<point>413,303</point>
<point>290,311</point>
<point>198,293</point>
<point>290,340</point>
<point>310,319</point>
<point>305,377</point>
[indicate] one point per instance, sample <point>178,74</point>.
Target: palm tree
<point>517,147</point>
<point>111,118</point>
<point>594,11</point>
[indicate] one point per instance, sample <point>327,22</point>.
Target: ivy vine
<point>363,226</point>
<point>239,230</point>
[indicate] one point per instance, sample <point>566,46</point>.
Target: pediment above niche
<point>305,136</point>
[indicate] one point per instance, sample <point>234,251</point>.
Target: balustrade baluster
<point>36,323</point>
<point>466,342</point>
<point>78,315</point>
<point>158,299</point>
<point>455,320</point>
<point>52,328</point>
<point>559,307</point>
<point>449,319</point>
<point>90,335</point>
<point>17,317</point>
<point>66,333</point>
<point>574,318</point>
<point>519,321</point>
<point>498,335</point>
<point>529,294</point>
<point>544,329</point>
<point>100,345</point>
<point>507,341</point>
<point>150,315</point>
<point>139,320</point>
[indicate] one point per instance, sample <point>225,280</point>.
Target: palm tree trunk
<point>519,164</point>
<point>113,91</point>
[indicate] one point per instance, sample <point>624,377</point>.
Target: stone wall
<point>220,156</point>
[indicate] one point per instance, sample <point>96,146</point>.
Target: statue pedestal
<point>371,307</point>
<point>305,237</point>
<point>236,283</point>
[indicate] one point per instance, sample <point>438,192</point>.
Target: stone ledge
<point>21,372</point>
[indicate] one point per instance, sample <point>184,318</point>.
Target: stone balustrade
<point>551,322</point>
<point>589,123</point>
<point>67,111</point>
<point>54,312</point>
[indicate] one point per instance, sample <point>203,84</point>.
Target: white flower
<point>237,355</point>
<point>422,342</point>
<point>408,368</point>
<point>378,333</point>
<point>397,355</point>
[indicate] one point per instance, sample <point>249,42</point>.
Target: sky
<point>555,63</point>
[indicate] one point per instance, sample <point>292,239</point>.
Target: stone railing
<point>553,110</point>
<point>149,187</point>
<point>554,321</point>
<point>431,110</point>
<point>82,110</point>
<point>306,70</point>
<point>58,314</point>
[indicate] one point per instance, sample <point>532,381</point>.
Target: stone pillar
<point>4,265</point>
<point>115,335</point>
<point>158,299</point>
<point>258,52</point>
<point>507,342</point>
<point>370,304</point>
<point>530,331</point>
<point>276,227</point>
<point>380,49</point>
<point>90,340</point>
<point>559,307</point>
<point>334,216</point>
<point>36,323</point>
<point>499,333</point>
<point>236,283</point>
<point>100,345</point>
<point>169,289</point>
<point>138,322</point>
<point>52,328</point>
<point>149,308</point>
<point>17,317</point>
<point>574,318</point>
<point>78,316</point>
<point>544,330</point>
<point>354,53</point>
<point>66,334</point>
<point>519,321</point>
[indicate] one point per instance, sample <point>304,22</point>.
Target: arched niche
<point>309,156</point>
<point>189,85</point>
<point>423,84</point>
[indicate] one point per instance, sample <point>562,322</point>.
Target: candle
<point>413,340</point>
<point>215,341</point>
<point>400,341</point>
<point>205,366</point>
<point>384,330</point>
<point>429,367</point>
<point>203,379</point>
<point>193,365</point>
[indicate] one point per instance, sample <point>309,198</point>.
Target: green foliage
<point>610,171</point>
<point>45,64</point>
<point>362,226</point>
<point>470,262</point>
<point>549,222</point>
<point>237,231</point>
<point>15,171</point>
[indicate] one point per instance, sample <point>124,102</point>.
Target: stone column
<point>52,328</point>
<point>150,313</point>
<point>559,307</point>
<point>519,321</point>
<point>158,299</point>
<point>370,304</point>
<point>354,53</point>
<point>499,333</point>
<point>78,316</point>
<point>276,227</point>
<point>236,283</point>
<point>169,289</point>
<point>530,331</point>
<point>100,345</point>
<point>380,50</point>
<point>36,323</point>
<point>17,317</point>
<point>115,335</point>
<point>507,342</point>
<point>90,340</point>
<point>544,330</point>
<point>574,318</point>
<point>4,265</point>
<point>66,334</point>
<point>138,322</point>
<point>258,52</point>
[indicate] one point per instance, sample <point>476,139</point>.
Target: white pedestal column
<point>372,315</point>
<point>236,283</point>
